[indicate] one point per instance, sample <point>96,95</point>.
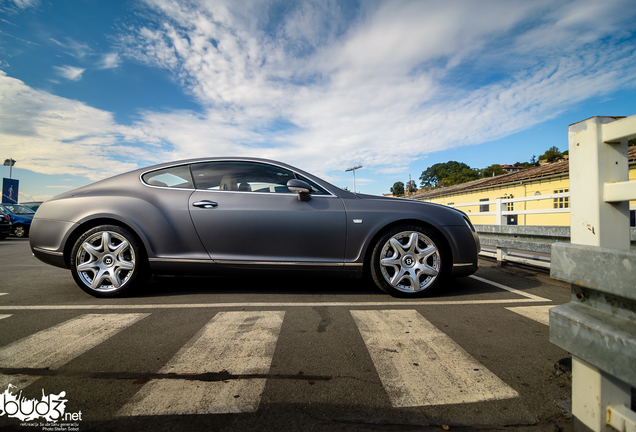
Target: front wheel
<point>408,261</point>
<point>107,260</point>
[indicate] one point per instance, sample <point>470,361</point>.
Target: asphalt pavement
<point>278,352</point>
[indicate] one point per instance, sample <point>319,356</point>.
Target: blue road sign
<point>10,191</point>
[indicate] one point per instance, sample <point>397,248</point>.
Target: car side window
<point>174,177</point>
<point>315,189</point>
<point>241,177</point>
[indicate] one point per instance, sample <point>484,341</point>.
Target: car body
<point>202,216</point>
<point>33,205</point>
<point>21,218</point>
<point>5,224</point>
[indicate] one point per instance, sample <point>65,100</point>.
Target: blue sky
<point>93,88</point>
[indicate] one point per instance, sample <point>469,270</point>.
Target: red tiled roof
<point>527,174</point>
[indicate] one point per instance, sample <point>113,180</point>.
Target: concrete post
<point>502,252</point>
<point>594,222</point>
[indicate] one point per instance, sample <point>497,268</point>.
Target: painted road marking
<point>237,343</point>
<point>57,345</point>
<point>3,316</point>
<point>419,365</point>
<point>540,314</point>
<point>275,304</point>
<point>507,288</point>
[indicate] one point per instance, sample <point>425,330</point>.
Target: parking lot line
<point>540,314</point>
<point>232,343</point>
<point>272,304</point>
<point>507,288</point>
<point>420,365</point>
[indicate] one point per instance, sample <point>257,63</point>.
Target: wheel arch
<point>371,245</point>
<point>92,223</point>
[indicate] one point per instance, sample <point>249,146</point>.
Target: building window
<point>562,202</point>
<point>484,207</point>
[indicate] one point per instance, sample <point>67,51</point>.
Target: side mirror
<point>300,188</point>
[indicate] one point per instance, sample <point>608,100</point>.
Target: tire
<point>20,231</point>
<point>108,271</point>
<point>409,261</point>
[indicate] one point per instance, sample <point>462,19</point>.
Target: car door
<point>243,212</point>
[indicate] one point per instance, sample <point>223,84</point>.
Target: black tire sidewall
<point>140,272</point>
<point>376,272</point>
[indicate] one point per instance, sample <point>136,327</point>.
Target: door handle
<point>205,204</point>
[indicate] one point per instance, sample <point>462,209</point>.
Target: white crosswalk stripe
<point>55,346</point>
<point>420,365</point>
<point>417,364</point>
<point>238,343</point>
<point>540,314</point>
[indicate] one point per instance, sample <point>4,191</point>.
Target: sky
<point>93,88</point>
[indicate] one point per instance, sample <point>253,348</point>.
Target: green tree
<point>492,170</point>
<point>397,189</point>
<point>551,155</point>
<point>448,174</point>
<point>411,186</point>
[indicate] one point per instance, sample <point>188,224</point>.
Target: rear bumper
<point>49,257</point>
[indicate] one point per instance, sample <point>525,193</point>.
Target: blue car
<point>21,218</point>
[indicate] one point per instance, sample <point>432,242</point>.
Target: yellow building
<point>540,181</point>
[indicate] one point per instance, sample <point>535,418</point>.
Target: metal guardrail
<point>525,238</point>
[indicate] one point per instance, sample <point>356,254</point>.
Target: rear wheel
<point>408,261</point>
<point>107,260</point>
<point>19,231</point>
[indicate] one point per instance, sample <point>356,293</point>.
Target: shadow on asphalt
<point>305,284</point>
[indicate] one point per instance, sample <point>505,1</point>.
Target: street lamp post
<point>354,175</point>
<point>9,163</point>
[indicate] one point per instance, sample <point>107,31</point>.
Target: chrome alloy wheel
<point>410,261</point>
<point>105,261</point>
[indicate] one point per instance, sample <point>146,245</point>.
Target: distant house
<point>542,180</point>
<point>511,168</point>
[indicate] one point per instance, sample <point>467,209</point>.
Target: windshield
<point>18,209</point>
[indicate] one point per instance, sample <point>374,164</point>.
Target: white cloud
<point>70,72</point>
<point>110,61</point>
<point>393,84</point>
<point>321,85</point>
<point>73,48</point>
<point>25,4</point>
<point>53,135</point>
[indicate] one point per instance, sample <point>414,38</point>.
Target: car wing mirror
<point>300,188</point>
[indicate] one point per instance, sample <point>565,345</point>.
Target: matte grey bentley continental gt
<point>203,216</point>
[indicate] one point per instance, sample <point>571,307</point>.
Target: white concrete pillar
<point>594,222</point>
